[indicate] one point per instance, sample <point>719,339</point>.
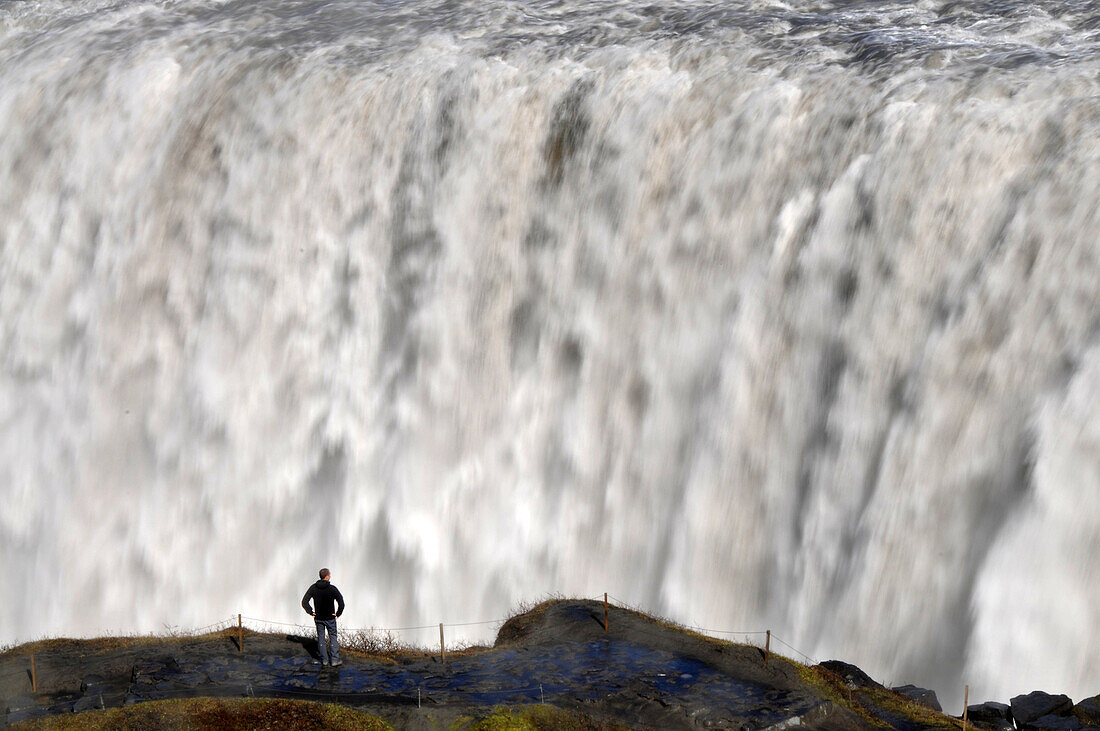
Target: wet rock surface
<point>1069,723</point>
<point>640,674</point>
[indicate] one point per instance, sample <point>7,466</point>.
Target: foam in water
<point>776,316</point>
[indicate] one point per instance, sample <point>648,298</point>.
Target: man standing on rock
<point>324,596</point>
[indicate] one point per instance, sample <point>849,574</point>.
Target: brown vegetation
<point>207,713</point>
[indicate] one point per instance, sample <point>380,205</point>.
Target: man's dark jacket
<point>324,595</point>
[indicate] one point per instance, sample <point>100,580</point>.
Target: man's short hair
<point>323,573</point>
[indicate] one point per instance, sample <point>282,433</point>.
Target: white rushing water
<point>770,315</point>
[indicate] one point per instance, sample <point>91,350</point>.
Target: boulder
<point>88,703</point>
<point>1035,705</point>
<point>146,669</point>
<point>1088,711</point>
<point>923,696</point>
<point>997,715</point>
<point>852,676</point>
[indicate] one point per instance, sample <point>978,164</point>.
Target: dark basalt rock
<point>93,682</point>
<point>148,669</point>
<point>1035,705</point>
<point>1088,711</point>
<point>189,679</point>
<point>923,696</point>
<point>87,703</point>
<point>22,714</point>
<point>851,675</point>
<point>995,715</point>
<point>1069,723</point>
<point>217,675</point>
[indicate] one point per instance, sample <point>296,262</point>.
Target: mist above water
<point>762,316</point>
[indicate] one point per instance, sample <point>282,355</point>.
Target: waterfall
<point>759,316</point>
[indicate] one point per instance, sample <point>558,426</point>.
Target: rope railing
<point>379,629</point>
<point>711,631</point>
<point>238,623</point>
<point>392,629</point>
<point>232,623</point>
<point>280,624</point>
<point>276,690</point>
<point>811,660</point>
<point>470,624</point>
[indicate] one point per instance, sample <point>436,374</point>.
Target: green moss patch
<point>533,718</point>
<point>206,713</point>
<point>872,704</point>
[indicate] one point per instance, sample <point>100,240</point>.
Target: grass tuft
<point>114,642</point>
<point>871,703</point>
<point>376,643</point>
<point>895,703</point>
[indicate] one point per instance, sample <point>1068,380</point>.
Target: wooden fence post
<point>605,611</point>
<point>240,634</point>
<point>442,646</point>
<point>966,704</point>
<point>767,646</point>
<point>34,675</point>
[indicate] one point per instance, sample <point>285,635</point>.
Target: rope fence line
<point>272,621</point>
<point>226,622</point>
<point>725,631</point>
<point>710,631</point>
<point>618,602</point>
<point>796,650</point>
<point>248,690</point>
<point>232,622</point>
<point>375,629</point>
<point>470,624</point>
<point>237,623</point>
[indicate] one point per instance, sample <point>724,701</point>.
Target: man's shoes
<point>316,663</point>
<point>338,663</point>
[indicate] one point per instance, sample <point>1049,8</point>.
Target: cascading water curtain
<point>760,315</point>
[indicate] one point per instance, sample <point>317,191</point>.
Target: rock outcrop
<point>919,695</point>
<point>853,677</point>
<point>1088,712</point>
<point>1054,723</point>
<point>992,715</point>
<point>1028,709</point>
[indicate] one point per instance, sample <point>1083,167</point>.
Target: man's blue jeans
<point>330,651</point>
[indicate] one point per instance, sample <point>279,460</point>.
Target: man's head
<point>324,574</point>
